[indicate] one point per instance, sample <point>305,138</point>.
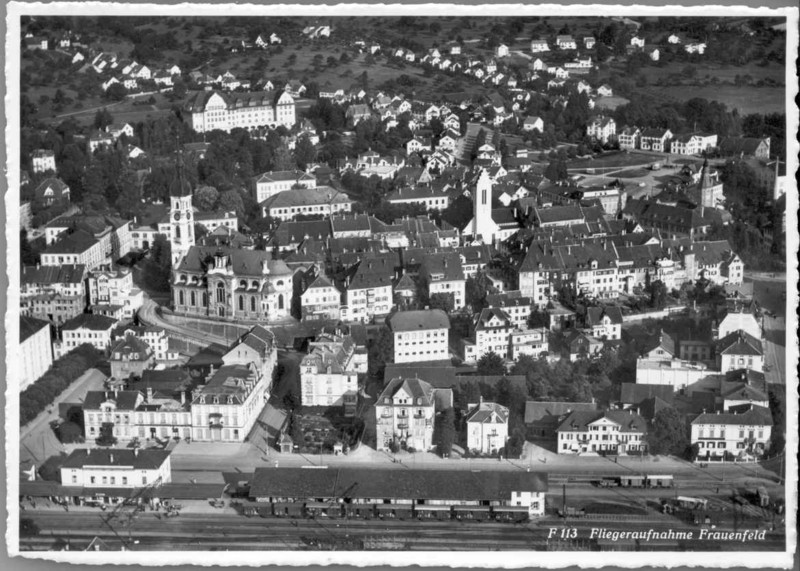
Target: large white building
<point>111,292</point>
<point>214,110</point>
<point>487,427</point>
<point>330,370</point>
<point>43,160</point>
<point>741,434</point>
<point>116,468</point>
<point>35,350</point>
<point>610,431</point>
<point>270,183</point>
<point>85,328</point>
<point>369,292</point>
<point>421,335</point>
<point>739,350</point>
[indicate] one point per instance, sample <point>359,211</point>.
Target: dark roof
<point>29,325</point>
<point>416,388</point>
<point>369,483</point>
<point>89,321</point>
<point>125,400</point>
<point>595,314</point>
<point>739,343</point>
<point>633,393</point>
<point>242,262</point>
<point>144,459</point>
<point>536,411</point>
<point>74,243</point>
<point>439,375</point>
<point>419,319</point>
<point>488,412</point>
<point>755,416</point>
<point>130,345</point>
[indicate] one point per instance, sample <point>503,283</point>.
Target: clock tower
<point>181,216</point>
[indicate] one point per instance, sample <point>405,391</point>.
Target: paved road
<point>149,316</point>
<point>37,440</point>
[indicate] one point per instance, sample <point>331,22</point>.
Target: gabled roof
<point>633,393</point>
<point>579,420</point>
<point>594,315</point>
<point>258,338</point>
<point>488,314</point>
<point>29,326</point>
<point>124,400</point>
<point>739,343</point>
<point>754,416</point>
<point>131,345</point>
<point>488,413</point>
<point>75,243</point>
<point>415,388</point>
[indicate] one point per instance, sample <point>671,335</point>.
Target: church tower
<point>483,226</point>
<point>181,216</point>
<point>706,187</point>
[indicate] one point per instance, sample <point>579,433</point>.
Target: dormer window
<point>216,400</point>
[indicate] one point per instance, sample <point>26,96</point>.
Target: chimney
<point>136,452</point>
<point>183,398</point>
<point>111,458</point>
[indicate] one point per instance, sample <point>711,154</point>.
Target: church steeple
<point>180,186</point>
<point>181,215</point>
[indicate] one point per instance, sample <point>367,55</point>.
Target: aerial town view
<point>403,283</point>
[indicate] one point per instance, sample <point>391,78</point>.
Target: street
<point>37,440</point>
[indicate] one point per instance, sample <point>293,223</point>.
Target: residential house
<point>441,272</point>
<point>487,427</point>
<point>579,345</point>
<point>533,124</point>
<point>740,435</point>
<point>43,160</point>
<point>330,370</point>
<point>85,328</point>
<point>538,46</point>
<point>604,322</point>
<point>51,191</point>
<point>602,128</point>
<point>404,415</point>
<point>739,350</point>
<point>270,183</point>
<point>321,299</point>
<point>655,140</point>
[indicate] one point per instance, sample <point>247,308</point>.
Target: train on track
<point>332,511</point>
<point>636,481</point>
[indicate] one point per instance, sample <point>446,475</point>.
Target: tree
<point>157,268</point>
<point>491,364</point>
<point>476,290</point>
<point>69,432</point>
<point>282,159</point>
<point>304,152</point>
<point>116,92</point>
<point>205,198</point>
<point>106,437</point>
<point>129,200</point>
<point>102,119</point>
<point>381,351</point>
<point>231,200</point>
<point>668,434</point>
<point>446,431</point>
<point>443,301</point>
<point>658,294</point>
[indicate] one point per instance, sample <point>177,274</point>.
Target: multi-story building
<point>492,330</point>
<point>111,292</point>
<point>43,160</point>
<point>330,370</point>
<point>487,427</point>
<point>270,183</point>
<point>693,144</point>
<point>321,300</point>
<point>116,408</point>
<point>35,350</point>
<point>113,235</point>
<point>213,220</point>
<point>611,432</point>
<point>739,350</point>
<point>156,339</point>
<point>52,293</point>
<point>629,138</point>
<point>404,414</point>
<point>655,139</point>
<point>321,200</point>
<point>538,46</point>
<point>78,248</point>
<point>739,317</point>
<point>52,191</point>
<point>421,335</point>
<point>369,292</point>
<point>85,328</point>
<point>742,434</point>
<point>227,406</point>
<point>210,110</point>
<point>441,272</point>
<point>430,197</point>
<point>604,322</point>
<point>255,348</point>
<point>602,128</point>
<point>530,342</point>
<point>129,357</point>
<point>515,305</point>
<point>232,283</point>
<point>116,468</point>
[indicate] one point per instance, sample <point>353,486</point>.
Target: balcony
<point>402,425</point>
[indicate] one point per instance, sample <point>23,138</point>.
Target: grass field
<point>610,102</point>
<point>609,160</point>
<point>632,173</point>
<point>746,99</point>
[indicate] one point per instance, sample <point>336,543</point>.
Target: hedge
<point>41,394</point>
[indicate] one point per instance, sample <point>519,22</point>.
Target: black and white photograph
<point>402,285</point>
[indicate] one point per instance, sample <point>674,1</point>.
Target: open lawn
<point>608,160</point>
<point>632,173</point>
<point>611,102</point>
<point>746,99</point>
